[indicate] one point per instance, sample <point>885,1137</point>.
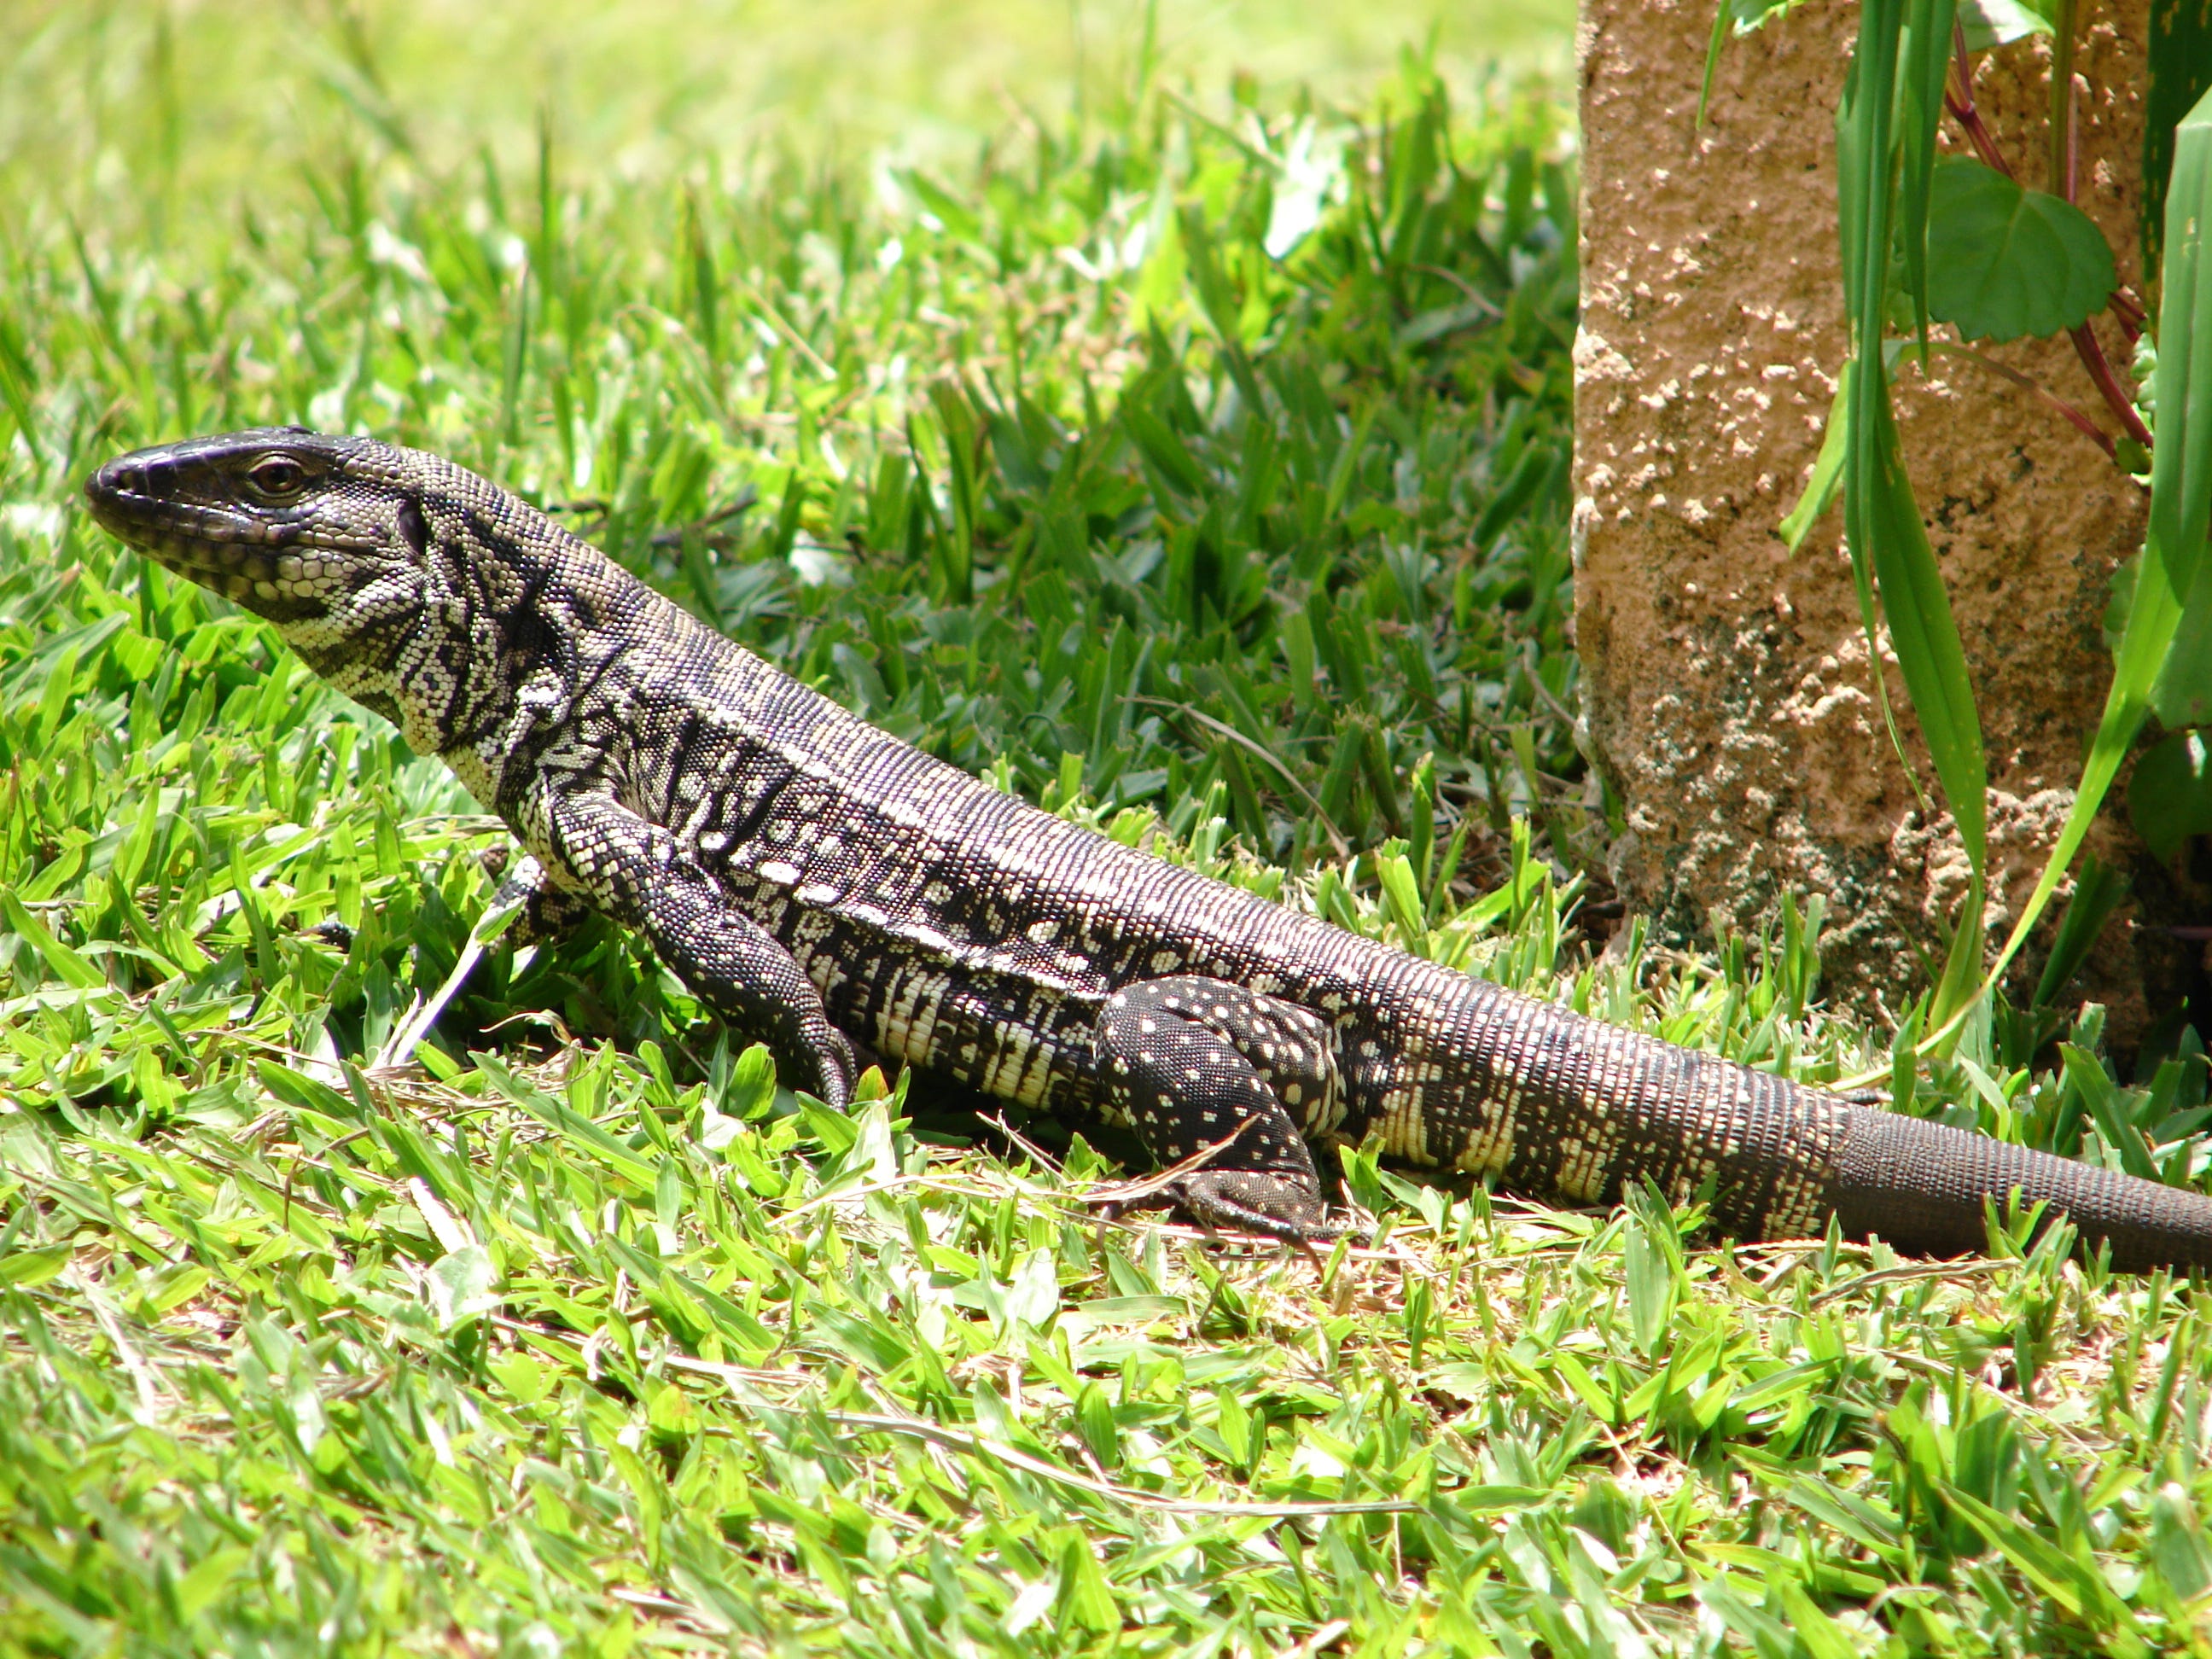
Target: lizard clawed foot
<point>1232,1200</point>
<point>1257,1202</point>
<point>332,933</point>
<point>836,1069</point>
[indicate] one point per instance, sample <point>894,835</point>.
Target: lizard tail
<point>1921,1186</point>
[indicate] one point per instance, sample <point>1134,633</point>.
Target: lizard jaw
<point>274,567</point>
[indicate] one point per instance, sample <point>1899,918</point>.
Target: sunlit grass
<point>107,106</point>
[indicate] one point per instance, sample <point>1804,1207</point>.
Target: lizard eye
<point>277,479</point>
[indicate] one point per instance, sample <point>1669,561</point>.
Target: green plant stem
<point>2060,124</point>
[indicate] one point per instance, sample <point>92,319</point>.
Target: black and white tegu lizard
<point>814,879</point>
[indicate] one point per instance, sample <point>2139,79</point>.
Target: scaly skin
<point>814,880</point>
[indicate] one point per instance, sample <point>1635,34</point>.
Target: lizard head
<point>412,586</point>
<point>318,534</point>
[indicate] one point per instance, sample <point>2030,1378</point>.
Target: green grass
<point>1194,465</point>
<point>201,99</point>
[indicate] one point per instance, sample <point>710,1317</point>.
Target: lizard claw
<point>834,1069</point>
<point>1253,1202</point>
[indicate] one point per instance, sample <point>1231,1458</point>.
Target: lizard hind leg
<point>1193,1064</point>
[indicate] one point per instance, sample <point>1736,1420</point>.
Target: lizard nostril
<point>116,482</point>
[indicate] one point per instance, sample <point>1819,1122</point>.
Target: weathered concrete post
<point>1726,690</point>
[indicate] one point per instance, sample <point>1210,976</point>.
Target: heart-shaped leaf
<point>1999,22</point>
<point>2004,262</point>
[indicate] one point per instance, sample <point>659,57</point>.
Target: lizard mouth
<point>272,566</point>
<point>188,537</point>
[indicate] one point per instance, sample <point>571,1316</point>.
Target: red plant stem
<point>2108,384</point>
<point>2066,411</point>
<point>2095,433</point>
<point>1964,112</point>
<point>1959,99</point>
<point>2086,344</point>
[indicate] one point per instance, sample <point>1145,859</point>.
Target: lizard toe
<point>834,1069</point>
<point>1257,1202</point>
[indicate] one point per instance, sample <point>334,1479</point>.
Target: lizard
<point>817,882</point>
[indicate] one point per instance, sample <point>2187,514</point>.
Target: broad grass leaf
<point>1654,1265</point>
<point>462,1284</point>
<point>579,1129</point>
<point>2063,1575</point>
<point>2170,797</point>
<point>1094,1419</point>
<point>1085,1599</point>
<point>65,964</point>
<point>33,1267</point>
<point>2102,1098</point>
<point>2178,1547</point>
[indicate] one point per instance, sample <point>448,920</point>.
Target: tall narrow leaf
<point>2181,469</point>
<point>1882,520</point>
<point>2179,65</point>
<point>1925,66</point>
<point>2180,494</point>
<point>1881,516</point>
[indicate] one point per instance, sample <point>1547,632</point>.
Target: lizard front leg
<point>549,914</point>
<point>640,875</point>
<point>1193,1063</point>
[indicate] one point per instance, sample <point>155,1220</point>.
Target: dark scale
<point>817,882</point>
